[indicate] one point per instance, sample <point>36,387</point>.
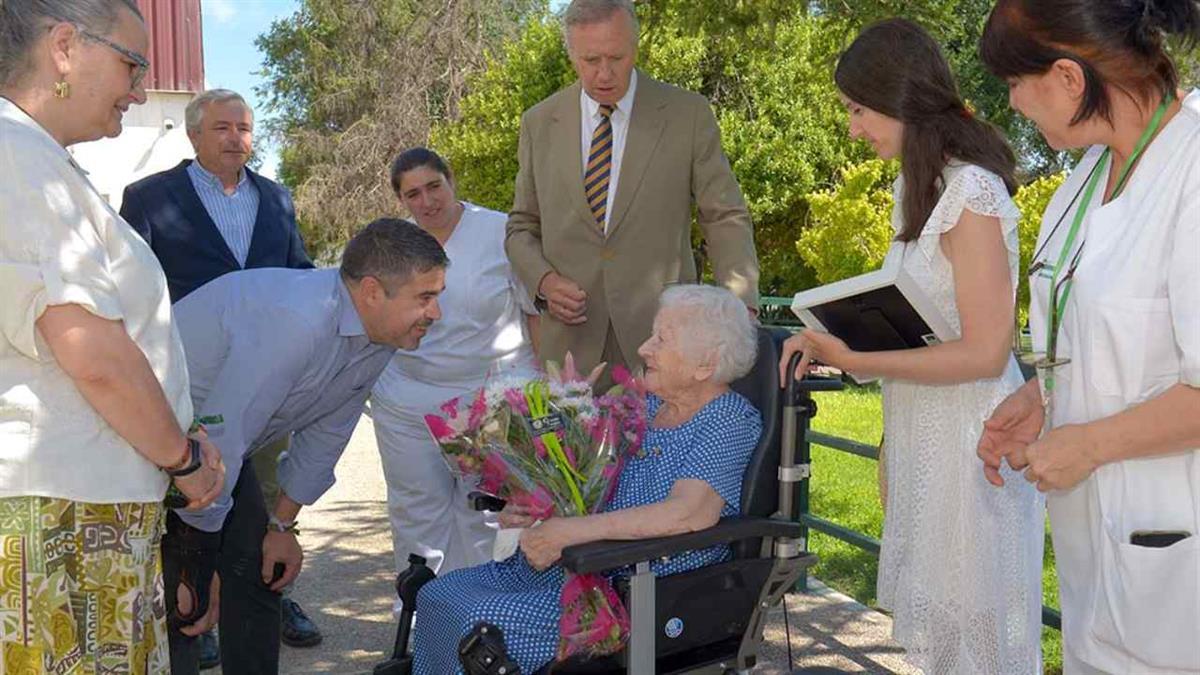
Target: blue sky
<point>231,61</point>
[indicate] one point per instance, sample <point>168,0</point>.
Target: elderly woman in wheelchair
<point>687,476</point>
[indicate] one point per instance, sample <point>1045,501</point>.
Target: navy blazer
<point>166,210</point>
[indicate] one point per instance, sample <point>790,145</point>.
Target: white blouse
<point>61,243</point>
<point>482,328</point>
<point>1132,331</point>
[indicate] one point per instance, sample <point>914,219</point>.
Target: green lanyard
<point>1058,297</point>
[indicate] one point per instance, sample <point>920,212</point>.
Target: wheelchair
<point>708,620</point>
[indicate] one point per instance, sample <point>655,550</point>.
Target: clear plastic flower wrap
<point>553,447</point>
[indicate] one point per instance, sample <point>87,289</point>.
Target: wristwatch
<point>195,461</point>
<point>276,525</point>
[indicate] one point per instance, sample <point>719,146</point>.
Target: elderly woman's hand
<point>815,345</point>
<point>543,545</point>
<point>515,516</point>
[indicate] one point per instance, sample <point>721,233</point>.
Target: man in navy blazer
<point>206,218</point>
<point>167,210</point>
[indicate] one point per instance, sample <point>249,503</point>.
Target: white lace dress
<point>961,563</point>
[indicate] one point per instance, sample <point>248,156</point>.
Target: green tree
<point>1032,199</point>
<point>352,83</point>
<point>481,142</point>
<point>851,224</point>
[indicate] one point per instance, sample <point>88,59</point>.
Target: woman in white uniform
<point>1110,428</point>
<point>485,329</point>
<point>960,567</point>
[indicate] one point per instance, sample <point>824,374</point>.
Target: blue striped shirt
<point>234,214</point>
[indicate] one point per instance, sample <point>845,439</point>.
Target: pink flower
<point>450,408</point>
<point>539,446</point>
<point>610,471</point>
<point>478,411</point>
<point>494,473</point>
<point>569,371</point>
<point>516,400</point>
<point>438,427</point>
<point>608,626</point>
<point>538,502</point>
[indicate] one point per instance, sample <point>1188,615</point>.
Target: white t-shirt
<point>1132,331</point>
<point>61,243</point>
<point>482,328</point>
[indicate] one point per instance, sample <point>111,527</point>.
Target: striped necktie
<point>599,166</point>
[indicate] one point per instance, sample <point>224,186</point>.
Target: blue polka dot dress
<point>714,446</point>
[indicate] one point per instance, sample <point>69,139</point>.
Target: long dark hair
<point>895,68</point>
<point>1116,42</point>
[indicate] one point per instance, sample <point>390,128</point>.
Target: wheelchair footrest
<point>482,652</point>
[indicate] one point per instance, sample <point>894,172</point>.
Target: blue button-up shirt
<point>233,214</point>
<point>271,352</point>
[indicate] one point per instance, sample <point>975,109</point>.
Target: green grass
<point>845,491</point>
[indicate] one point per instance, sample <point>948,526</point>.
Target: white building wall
<point>153,139</point>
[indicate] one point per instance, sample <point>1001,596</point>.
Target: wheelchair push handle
<point>798,389</point>
<point>482,501</point>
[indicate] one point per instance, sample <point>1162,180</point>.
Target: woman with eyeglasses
<point>94,403</point>
<point>1111,426</point>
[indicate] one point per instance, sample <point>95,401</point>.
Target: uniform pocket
<point>1151,597</point>
<point>1128,336</point>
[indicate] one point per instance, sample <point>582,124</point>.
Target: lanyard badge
<point>1061,284</point>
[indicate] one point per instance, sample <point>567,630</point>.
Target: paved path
<point>347,588</point>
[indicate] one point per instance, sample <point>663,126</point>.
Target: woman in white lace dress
<point>961,563</point>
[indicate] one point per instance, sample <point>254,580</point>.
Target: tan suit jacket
<point>673,159</point>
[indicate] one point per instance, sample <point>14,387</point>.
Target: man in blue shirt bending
<point>273,352</point>
<point>207,218</point>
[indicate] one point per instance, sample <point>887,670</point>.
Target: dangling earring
<point>62,89</point>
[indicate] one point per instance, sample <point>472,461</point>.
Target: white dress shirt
<point>61,243</point>
<point>590,119</point>
<point>1131,330</point>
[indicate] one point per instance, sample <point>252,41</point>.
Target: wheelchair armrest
<point>600,556</point>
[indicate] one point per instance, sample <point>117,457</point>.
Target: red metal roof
<point>176,45</point>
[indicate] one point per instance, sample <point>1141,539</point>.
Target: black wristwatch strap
<point>193,465</point>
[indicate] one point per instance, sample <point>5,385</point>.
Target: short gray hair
<point>582,12</point>
<point>22,23</point>
<point>392,250</point>
<point>193,115</point>
<point>717,321</point>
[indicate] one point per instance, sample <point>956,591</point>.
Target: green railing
<point>776,312</point>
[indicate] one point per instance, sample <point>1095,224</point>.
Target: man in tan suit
<point>609,170</point>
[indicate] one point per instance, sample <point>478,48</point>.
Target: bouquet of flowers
<point>553,447</point>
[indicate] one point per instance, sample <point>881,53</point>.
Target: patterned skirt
<point>81,588</point>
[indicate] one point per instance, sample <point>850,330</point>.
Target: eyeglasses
<point>141,65</point>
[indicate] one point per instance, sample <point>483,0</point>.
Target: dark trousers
<point>249,622</point>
